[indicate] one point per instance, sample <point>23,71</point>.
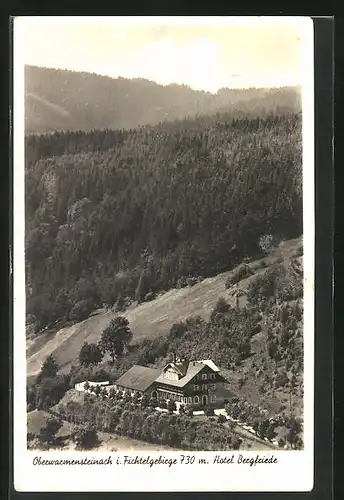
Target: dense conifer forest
<point>116,215</point>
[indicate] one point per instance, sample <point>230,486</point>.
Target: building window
<point>204,376</point>
<point>204,387</point>
<point>170,375</point>
<point>213,398</point>
<point>190,400</point>
<point>186,401</point>
<point>196,400</point>
<point>212,386</point>
<point>212,376</point>
<point>196,387</point>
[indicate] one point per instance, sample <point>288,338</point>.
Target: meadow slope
<point>149,319</point>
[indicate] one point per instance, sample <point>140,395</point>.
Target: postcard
<point>163,254</point>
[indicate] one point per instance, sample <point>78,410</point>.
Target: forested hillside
<point>257,341</point>
<point>114,216</point>
<point>67,100</point>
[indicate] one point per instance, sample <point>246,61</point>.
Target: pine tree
<point>49,367</point>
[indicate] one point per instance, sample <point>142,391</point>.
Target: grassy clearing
<point>152,318</point>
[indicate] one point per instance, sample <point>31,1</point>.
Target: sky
<point>204,54</point>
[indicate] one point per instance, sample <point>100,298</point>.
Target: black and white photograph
<point>164,296</point>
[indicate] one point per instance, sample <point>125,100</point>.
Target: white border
<point>294,470</point>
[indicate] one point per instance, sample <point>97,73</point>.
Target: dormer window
<point>170,374</point>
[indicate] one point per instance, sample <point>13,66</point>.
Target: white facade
<point>81,385</point>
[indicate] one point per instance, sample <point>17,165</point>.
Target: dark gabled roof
<point>138,378</point>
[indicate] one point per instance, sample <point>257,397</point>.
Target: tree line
<point>133,419</point>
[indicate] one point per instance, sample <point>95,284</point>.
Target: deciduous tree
<point>115,337</point>
<point>90,354</point>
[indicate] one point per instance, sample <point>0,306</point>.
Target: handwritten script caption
<point>149,461</point>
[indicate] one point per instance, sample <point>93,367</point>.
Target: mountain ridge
<point>57,99</point>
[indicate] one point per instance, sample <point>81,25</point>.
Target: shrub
<point>244,349</point>
<point>238,274</point>
<point>266,286</point>
<point>90,354</point>
<point>181,283</point>
<point>177,330</point>
<point>294,430</point>
<point>97,390</point>
<point>81,310</point>
<point>136,398</point>
<point>30,398</point>
<point>144,400</point>
<point>237,360</point>
<point>241,382</point>
<point>266,242</point>
<point>209,412</point>
<point>150,296</point>
<point>191,281</point>
<point>221,307</point>
<point>281,380</point>
<point>236,443</point>
<point>221,419</point>
<point>47,433</point>
<point>153,402</point>
<point>49,391</point>
<point>100,374</point>
<point>127,398</point>
<point>262,389</point>
<point>171,406</point>
<point>181,410</point>
<point>85,437</point>
<point>281,443</point>
<point>103,393</point>
<point>30,436</point>
<point>121,304</point>
<point>299,251</point>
